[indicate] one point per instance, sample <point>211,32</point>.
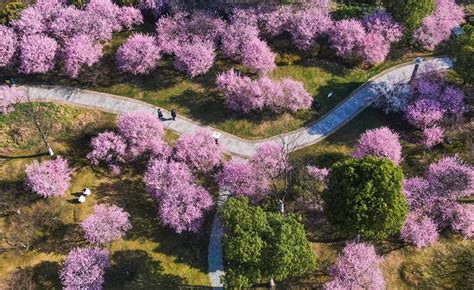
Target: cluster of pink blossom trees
<point>172,182</point>
<point>138,133</point>
<point>170,176</point>
<point>256,177</point>
<point>433,202</point>
<point>49,31</point>
<point>85,267</point>
<point>437,27</point>
<point>190,37</point>
<point>50,178</point>
<point>243,94</point>
<point>357,267</point>
<point>429,103</point>
<point>304,23</point>
<point>432,103</point>
<point>368,39</point>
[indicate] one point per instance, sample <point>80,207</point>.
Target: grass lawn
<point>199,99</point>
<point>446,265</point>
<point>150,255</point>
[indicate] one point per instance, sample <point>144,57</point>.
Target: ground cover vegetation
<point>172,57</point>
<point>385,202</point>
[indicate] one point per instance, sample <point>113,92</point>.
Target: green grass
<point>152,255</point>
<point>199,99</point>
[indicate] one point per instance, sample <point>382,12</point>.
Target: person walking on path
<point>173,114</point>
<point>160,114</point>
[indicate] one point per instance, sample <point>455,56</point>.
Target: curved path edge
<point>345,111</point>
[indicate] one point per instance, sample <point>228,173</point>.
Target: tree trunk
<point>282,206</point>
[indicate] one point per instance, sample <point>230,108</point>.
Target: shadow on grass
<point>61,240</point>
<point>46,275</point>
<point>135,269</point>
<point>132,197</point>
<point>23,156</point>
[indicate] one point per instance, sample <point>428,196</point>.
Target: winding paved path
<point>314,132</point>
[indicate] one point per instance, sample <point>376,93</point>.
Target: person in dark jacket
<point>173,114</point>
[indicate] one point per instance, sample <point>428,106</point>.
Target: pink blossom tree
<point>68,23</point>
<point>183,208</point>
<point>463,220</point>
<point>84,268</point>
<point>182,203</point>
<point>37,54</point>
<point>258,56</point>
<point>30,22</point>
<point>308,23</point>
<point>161,176</point>
<point>432,136</point>
<point>292,97</point>
<point>240,92</point>
<point>130,16</point>
<point>383,24</point>
<point>241,43</point>
<point>237,34</point>
<point>424,113</point>
<point>170,32</point>
<point>9,96</point>
<point>106,10</point>
<point>418,192</point>
<point>200,151</point>
<point>438,26</point>
<point>358,267</point>
<point>381,142</point>
<point>195,58</point>
<point>106,224</point>
<point>419,230</point>
<point>80,51</point>
<point>8,45</point>
<point>346,36</point>
<point>109,148</point>
<point>270,159</point>
<point>49,8</point>
<point>239,177</point>
<point>451,177</point>
<point>139,55</point>
<point>50,178</point>
<point>139,129</point>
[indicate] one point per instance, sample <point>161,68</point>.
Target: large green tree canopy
<point>365,197</point>
<point>261,245</point>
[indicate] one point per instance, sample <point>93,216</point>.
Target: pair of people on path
<point>173,114</point>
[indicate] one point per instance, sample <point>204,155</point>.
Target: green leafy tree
<point>10,11</point>
<point>259,246</point>
<point>462,52</point>
<point>289,253</point>
<point>365,197</point>
<point>410,12</point>
<point>243,241</point>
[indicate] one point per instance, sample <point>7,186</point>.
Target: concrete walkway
<point>314,132</point>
